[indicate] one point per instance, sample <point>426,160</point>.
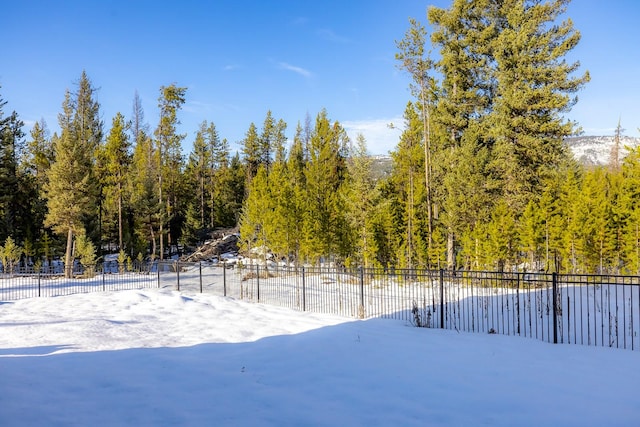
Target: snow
<point>159,357</point>
<point>596,150</point>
